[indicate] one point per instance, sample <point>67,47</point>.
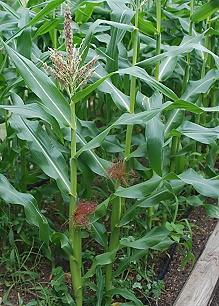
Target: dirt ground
<point>174,278</point>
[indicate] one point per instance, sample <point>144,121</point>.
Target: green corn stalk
<point>72,76</point>
<point>158,40</point>
<point>118,203</point>
<point>132,87</point>
<point>176,139</point>
<point>150,210</point>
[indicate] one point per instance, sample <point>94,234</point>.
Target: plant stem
<point>23,162</point>
<point>114,239</point>
<point>74,232</point>
<point>158,41</point>
<point>186,75</point>
<point>176,139</point>
<point>132,87</point>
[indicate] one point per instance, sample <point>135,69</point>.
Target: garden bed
<point>174,278</point>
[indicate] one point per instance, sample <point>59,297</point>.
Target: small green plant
<point>55,292</point>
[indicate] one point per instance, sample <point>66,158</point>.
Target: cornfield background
<point>109,134</point>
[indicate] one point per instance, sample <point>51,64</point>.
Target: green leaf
<point>205,11</point>
<point>47,26</point>
<point>100,286</point>
<point>87,90</point>
<point>212,210</point>
<point>167,67</point>
<point>62,245</point>
<point>125,293</point>
<point>121,100</point>
<point>187,45</point>
<point>142,74</point>
<point>9,9</point>
<point>24,43</point>
<point>101,260</point>
<point>140,190</point>
<point>120,14</point>
<point>32,110</point>
<point>138,254</point>
<point>155,135</point>
<point>45,155</point>
<point>53,101</point>
<point>99,233</point>
<point>161,195</point>
<point>125,119</point>
<point>206,187</point>
<point>83,13</point>
<point>198,132</point>
<point>187,106</point>
<point>195,88</point>
<point>150,240</point>
<point>93,161</point>
<point>10,195</point>
<point>49,7</point>
<point>146,27</point>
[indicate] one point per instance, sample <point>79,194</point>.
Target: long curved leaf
<point>154,134</point>
<point>195,88</point>
<point>10,195</point>
<point>52,99</point>
<point>120,99</point>
<point>206,187</point>
<point>142,74</point>
<point>150,240</point>
<point>125,119</point>
<point>62,245</point>
<point>45,155</point>
<point>198,132</point>
<point>205,11</point>
<point>32,110</point>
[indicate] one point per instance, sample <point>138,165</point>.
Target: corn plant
<point>126,92</point>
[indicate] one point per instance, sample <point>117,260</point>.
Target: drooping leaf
<point>206,187</point>
<point>125,119</point>
<point>150,240</point>
<point>125,293</point>
<point>100,234</point>
<point>62,245</point>
<point>195,88</point>
<point>142,74</point>
<point>140,190</point>
<point>45,155</point>
<point>101,260</point>
<point>10,195</point>
<point>52,99</point>
<point>198,132</point>
<point>32,110</point>
<point>191,107</point>
<point>162,194</point>
<point>187,45</point>
<point>121,100</point>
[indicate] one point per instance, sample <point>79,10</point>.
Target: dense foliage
<point>109,117</point>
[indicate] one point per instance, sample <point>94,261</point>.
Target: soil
<point>174,278</point>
